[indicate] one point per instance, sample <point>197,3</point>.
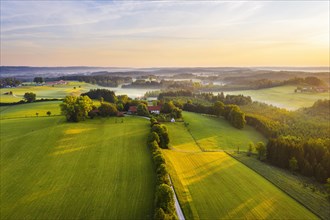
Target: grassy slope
<point>58,91</point>
<point>216,133</point>
<point>295,185</point>
<point>283,96</point>
<point>97,169</point>
<point>30,109</point>
<point>212,185</point>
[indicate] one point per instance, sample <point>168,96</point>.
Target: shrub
<point>153,136</point>
<point>158,160</point>
<point>164,198</point>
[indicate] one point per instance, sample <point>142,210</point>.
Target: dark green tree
<point>218,108</point>
<point>250,149</point>
<point>162,132</point>
<point>328,188</point>
<point>108,109</point>
<point>142,110</point>
<point>164,198</point>
<point>261,149</point>
<point>38,80</point>
<point>160,214</point>
<point>30,96</point>
<point>153,136</point>
<point>293,164</point>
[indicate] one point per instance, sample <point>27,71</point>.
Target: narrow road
<point>178,209</point>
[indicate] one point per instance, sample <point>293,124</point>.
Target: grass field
<point>217,134</point>
<point>96,169</point>
<point>30,109</point>
<point>297,186</point>
<point>58,91</point>
<point>213,185</point>
<point>283,96</point>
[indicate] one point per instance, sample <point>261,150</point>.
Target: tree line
<point>300,136</point>
<point>208,96</point>
<point>164,198</point>
<point>79,108</point>
<point>232,113</point>
<point>102,80</point>
<point>9,81</point>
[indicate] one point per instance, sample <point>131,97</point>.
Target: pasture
<point>283,97</point>
<point>30,109</point>
<point>213,133</point>
<point>96,169</point>
<point>213,185</point>
<point>299,187</point>
<point>47,92</point>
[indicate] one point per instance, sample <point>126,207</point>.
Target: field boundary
<point>274,184</point>
<point>178,209</point>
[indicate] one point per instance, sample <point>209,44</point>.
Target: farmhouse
<point>151,109</point>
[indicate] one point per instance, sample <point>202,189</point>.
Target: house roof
<point>154,108</point>
<point>132,109</point>
<point>150,108</point>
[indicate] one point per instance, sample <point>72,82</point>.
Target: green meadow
<point>30,110</point>
<point>212,133</point>
<point>46,92</point>
<point>283,97</point>
<point>213,185</point>
<point>95,169</point>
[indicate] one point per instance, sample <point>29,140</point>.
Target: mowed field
<point>213,185</point>
<point>283,97</point>
<point>96,169</point>
<point>30,109</point>
<point>213,133</point>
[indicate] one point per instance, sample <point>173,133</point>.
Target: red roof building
<point>151,109</point>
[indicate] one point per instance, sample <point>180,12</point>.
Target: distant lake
<point>131,92</point>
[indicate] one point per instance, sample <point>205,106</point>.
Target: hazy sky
<point>165,33</point>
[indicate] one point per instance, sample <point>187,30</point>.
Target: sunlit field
<point>60,91</point>
<point>212,133</point>
<point>283,97</point>
<point>46,92</point>
<point>214,185</point>
<point>30,110</point>
<point>95,169</point>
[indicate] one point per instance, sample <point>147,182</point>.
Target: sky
<point>165,33</point>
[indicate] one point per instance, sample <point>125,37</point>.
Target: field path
<point>177,204</point>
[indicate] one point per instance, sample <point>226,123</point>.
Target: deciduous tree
<point>30,96</point>
<point>76,108</point>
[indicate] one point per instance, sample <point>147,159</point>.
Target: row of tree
<point>168,108</point>
<point>312,156</point>
<point>308,81</point>
<point>298,140</point>
<point>208,96</point>
<point>230,112</point>
<point>9,82</point>
<point>164,197</point>
<point>104,79</point>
